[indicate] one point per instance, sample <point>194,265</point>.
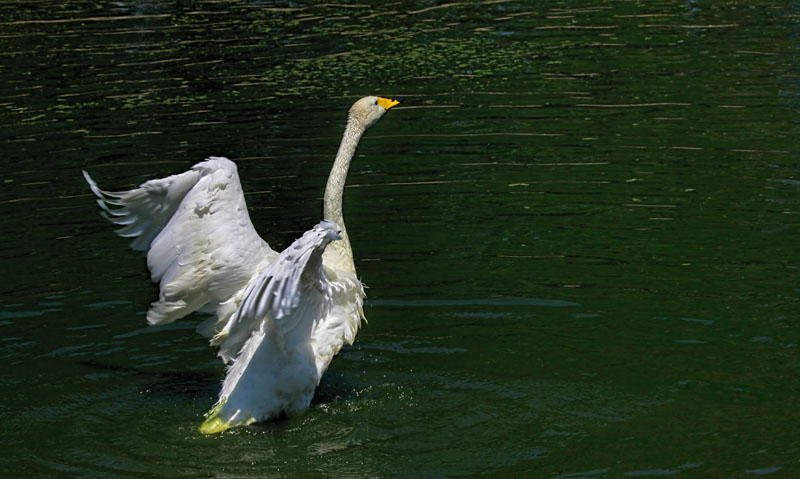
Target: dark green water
<point>580,234</point>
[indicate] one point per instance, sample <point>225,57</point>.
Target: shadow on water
<point>179,384</point>
<point>191,385</point>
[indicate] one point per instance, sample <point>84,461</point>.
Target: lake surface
<point>579,233</point>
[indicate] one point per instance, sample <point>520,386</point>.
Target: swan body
<point>278,318</point>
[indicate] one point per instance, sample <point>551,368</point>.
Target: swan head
<point>369,109</point>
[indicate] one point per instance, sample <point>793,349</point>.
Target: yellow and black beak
<point>387,103</point>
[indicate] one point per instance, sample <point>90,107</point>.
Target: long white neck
<point>339,253</point>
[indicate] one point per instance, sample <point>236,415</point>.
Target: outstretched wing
<point>143,212</point>
<point>268,338</point>
<point>287,298</point>
<point>202,245</point>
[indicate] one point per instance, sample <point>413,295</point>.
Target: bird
<point>277,318</point>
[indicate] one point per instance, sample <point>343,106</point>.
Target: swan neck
<point>334,190</point>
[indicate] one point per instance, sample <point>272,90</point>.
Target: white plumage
<point>278,318</point>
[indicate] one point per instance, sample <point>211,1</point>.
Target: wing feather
<point>290,295</point>
<point>144,211</point>
<point>202,246</point>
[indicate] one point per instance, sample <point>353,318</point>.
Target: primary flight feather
<point>279,318</point>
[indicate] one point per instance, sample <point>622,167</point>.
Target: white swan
<point>279,318</point>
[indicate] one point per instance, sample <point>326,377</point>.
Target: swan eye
<point>376,101</point>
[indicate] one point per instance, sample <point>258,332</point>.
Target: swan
<point>277,318</point>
